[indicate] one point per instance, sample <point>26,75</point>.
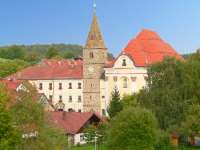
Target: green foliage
<point>129,101</point>
<point>191,125</point>
<point>90,134</point>
<point>68,55</point>
<point>168,93</point>
<point>164,143</point>
<point>32,57</point>
<point>29,117</point>
<point>133,129</point>
<point>52,52</point>
<point>8,67</point>
<point>13,52</point>
<point>35,53</point>
<point>115,104</point>
<point>98,132</point>
<point>9,137</point>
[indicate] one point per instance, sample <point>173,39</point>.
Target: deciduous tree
<point>133,129</point>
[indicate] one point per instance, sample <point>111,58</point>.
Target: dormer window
<point>60,106</point>
<point>91,55</point>
<point>124,62</point>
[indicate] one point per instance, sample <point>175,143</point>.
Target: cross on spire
<point>94,6</point>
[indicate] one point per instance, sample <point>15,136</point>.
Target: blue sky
<point>68,21</point>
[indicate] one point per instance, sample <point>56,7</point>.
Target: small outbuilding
<point>74,123</point>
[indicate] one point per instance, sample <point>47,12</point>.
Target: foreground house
<point>15,87</point>
<point>85,84</point>
<point>74,123</point>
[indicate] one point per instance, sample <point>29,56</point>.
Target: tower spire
<point>95,39</point>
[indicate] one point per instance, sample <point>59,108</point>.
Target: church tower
<point>94,57</point>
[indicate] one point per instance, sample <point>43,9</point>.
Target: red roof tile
<point>71,122</point>
<point>52,69</point>
<point>11,84</point>
<point>148,48</point>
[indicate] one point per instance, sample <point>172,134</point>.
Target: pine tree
<point>115,103</point>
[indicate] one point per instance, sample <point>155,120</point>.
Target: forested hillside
<point>17,57</point>
<point>32,53</point>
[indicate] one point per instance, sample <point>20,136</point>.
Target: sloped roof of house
<point>52,69</point>
<point>148,48</point>
<point>72,122</point>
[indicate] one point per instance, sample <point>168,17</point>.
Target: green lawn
<point>83,148</point>
<point>191,148</point>
<point>86,148</point>
<point>92,148</point>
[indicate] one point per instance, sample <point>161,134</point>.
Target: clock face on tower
<point>91,69</point>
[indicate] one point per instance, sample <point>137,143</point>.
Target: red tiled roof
<point>11,84</point>
<point>72,122</point>
<point>148,48</point>
<point>52,69</point>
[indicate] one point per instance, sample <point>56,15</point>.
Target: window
<point>40,86</point>
<point>91,55</point>
<point>70,110</point>
<point>60,86</point>
<point>50,97</point>
<point>81,137</point>
<point>79,85</point>
<point>79,99</point>
<point>115,78</point>
<point>79,110</point>
<point>60,98</point>
<point>125,84</point>
<point>124,62</point>
<point>91,85</point>
<point>50,86</point>
<point>70,99</point>
<point>70,85</point>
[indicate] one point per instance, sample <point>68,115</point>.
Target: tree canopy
<point>133,129</point>
<point>9,136</point>
<point>8,67</point>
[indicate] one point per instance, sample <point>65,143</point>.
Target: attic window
<point>124,62</point>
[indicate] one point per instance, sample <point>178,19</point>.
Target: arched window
<point>91,55</point>
<point>125,82</point>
